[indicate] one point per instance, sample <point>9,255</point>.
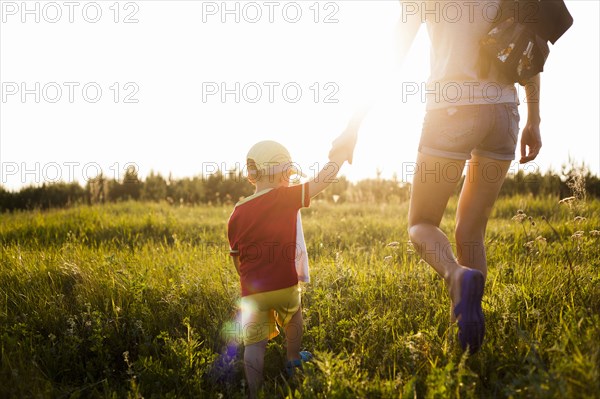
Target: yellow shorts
<point>261,311</point>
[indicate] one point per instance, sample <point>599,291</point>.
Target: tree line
<point>227,188</point>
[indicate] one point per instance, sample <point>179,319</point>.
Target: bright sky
<point>162,79</point>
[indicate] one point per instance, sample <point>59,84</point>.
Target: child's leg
<point>254,359</point>
<point>293,335</point>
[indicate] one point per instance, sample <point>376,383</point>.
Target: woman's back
<point>456,78</point>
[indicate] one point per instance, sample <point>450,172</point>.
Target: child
<point>268,251</point>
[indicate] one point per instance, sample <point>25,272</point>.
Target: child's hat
<point>269,157</point>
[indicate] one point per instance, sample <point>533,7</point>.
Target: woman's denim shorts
<point>456,132</point>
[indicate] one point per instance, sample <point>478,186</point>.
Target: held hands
<point>341,150</point>
<point>531,142</point>
<point>342,147</point>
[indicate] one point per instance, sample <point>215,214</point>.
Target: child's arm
<point>236,263</point>
<point>327,174</point>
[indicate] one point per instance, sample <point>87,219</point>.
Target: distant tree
<point>132,183</point>
<point>97,189</point>
<point>186,190</point>
<point>6,199</point>
<point>116,191</point>
<point>154,188</point>
<point>129,189</point>
<point>212,185</point>
<point>218,188</point>
<point>51,195</point>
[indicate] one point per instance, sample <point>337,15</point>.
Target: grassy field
<point>133,300</point>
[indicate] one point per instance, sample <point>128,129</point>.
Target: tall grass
<point>132,300</point>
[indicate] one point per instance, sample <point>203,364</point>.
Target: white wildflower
<point>567,200</point>
<point>578,235</point>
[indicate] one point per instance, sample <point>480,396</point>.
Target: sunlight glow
<point>178,127</point>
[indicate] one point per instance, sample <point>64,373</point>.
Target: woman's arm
<point>531,139</point>
<point>342,147</point>
<point>406,30</point>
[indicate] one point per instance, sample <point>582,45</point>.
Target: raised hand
<point>343,146</point>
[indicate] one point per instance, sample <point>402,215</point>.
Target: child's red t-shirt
<point>262,232</point>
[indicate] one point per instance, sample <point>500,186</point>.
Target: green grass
<point>131,300</point>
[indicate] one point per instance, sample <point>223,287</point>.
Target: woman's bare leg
<point>434,182</point>
<point>482,185</point>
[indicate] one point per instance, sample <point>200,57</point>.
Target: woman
<point>470,115</point>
